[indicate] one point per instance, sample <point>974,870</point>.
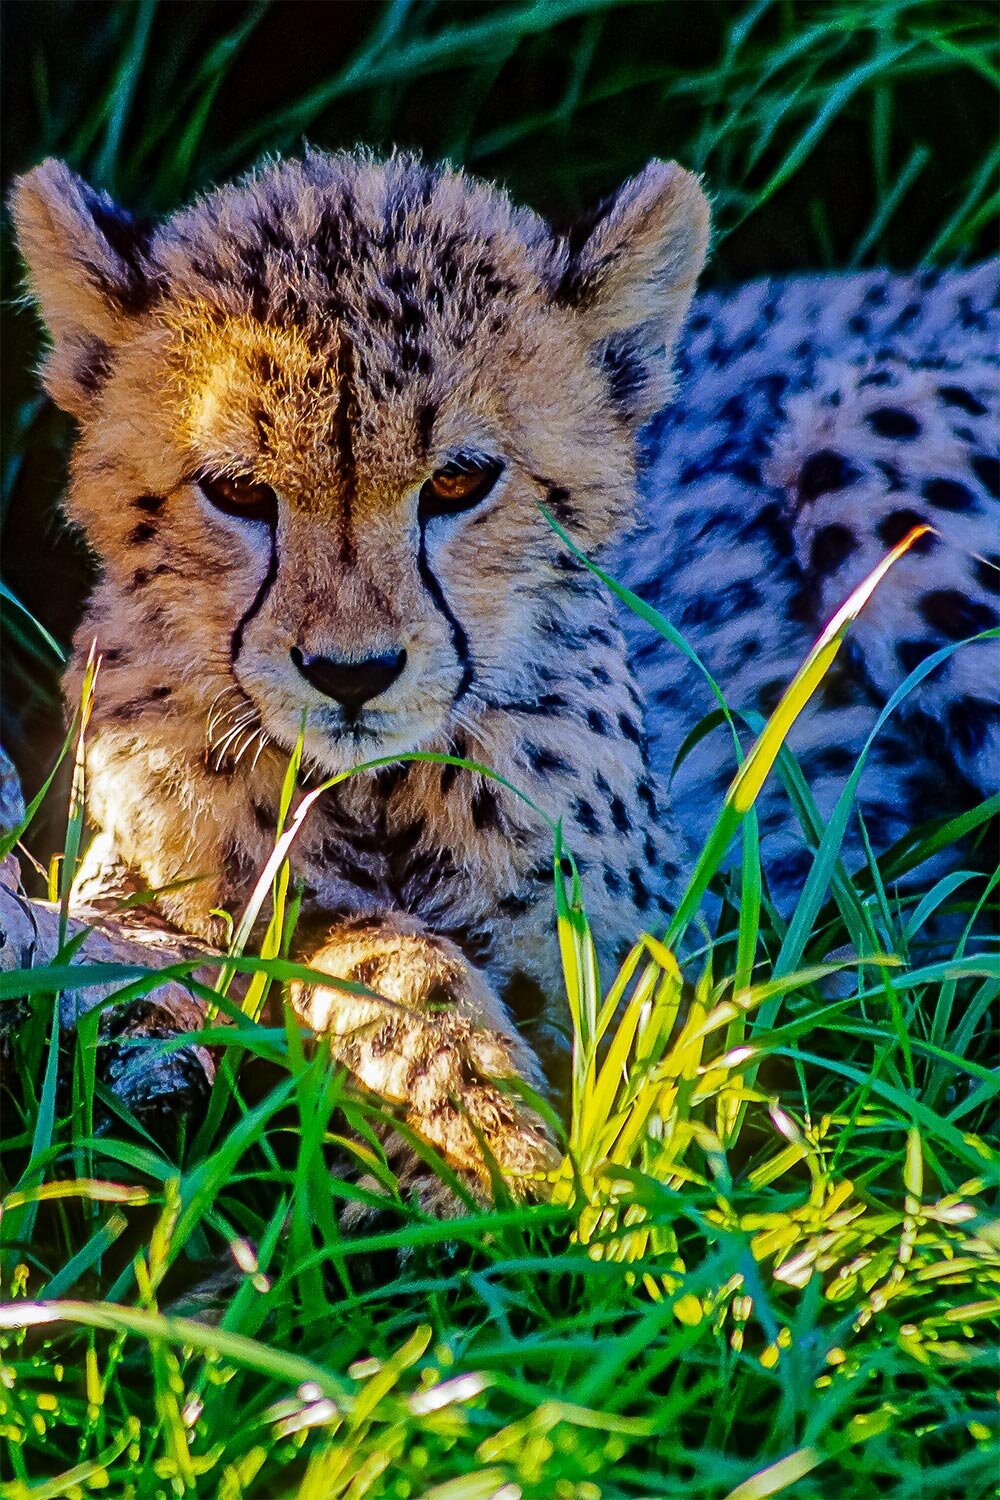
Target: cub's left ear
<point>632,278</point>
<point>88,270</point>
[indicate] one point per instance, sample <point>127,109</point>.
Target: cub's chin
<point>331,745</point>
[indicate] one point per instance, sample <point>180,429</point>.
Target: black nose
<point>351,683</point>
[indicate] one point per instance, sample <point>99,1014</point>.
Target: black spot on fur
<point>858,324</point>
<point>543,760</point>
<point>986,571</point>
<point>485,809</point>
<point>957,395</point>
<point>769,695</point>
<point>266,368</point>
<point>911,653</point>
<point>987,471</point>
<point>128,238</point>
<point>144,532</point>
<point>559,503</point>
<point>141,576</point>
<point>630,729</point>
<point>151,504</point>
<point>598,722</point>
<point>619,815</point>
<point>893,422</point>
<point>137,706</point>
<point>839,687</point>
<point>93,365</point>
<point>612,882</point>
<point>264,817</point>
<point>906,317</point>
<point>647,797</point>
<point>823,473</point>
<point>970,721</point>
<point>955,615</point>
<point>587,817</point>
<point>640,892</point>
<point>970,316</point>
<point>459,749</point>
<point>475,942</point>
<point>899,523</point>
<point>387,779</point>
<point>948,494</point>
<point>514,905</point>
<point>625,371</point>
<point>426,416</point>
<point>774,526</point>
<point>832,760</point>
<point>831,547</point>
<point>734,410</point>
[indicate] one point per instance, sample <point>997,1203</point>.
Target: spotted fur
<point>821,419</point>
<point>339,328</point>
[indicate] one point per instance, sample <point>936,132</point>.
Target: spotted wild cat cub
<point>320,411</point>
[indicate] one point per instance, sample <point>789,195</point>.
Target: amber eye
<point>240,496</point>
<point>458,486</point>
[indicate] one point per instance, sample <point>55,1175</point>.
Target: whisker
<point>220,718</point>
<point>245,747</point>
<point>265,740</point>
<point>232,734</point>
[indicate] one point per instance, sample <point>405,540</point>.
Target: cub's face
<point>320,412</point>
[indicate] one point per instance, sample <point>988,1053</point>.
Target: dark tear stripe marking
<point>344,438</point>
<point>459,639</point>
<point>236,642</point>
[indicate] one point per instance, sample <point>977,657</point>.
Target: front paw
<point>433,1043</point>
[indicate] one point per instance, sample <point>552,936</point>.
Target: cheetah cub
<point>320,412</point>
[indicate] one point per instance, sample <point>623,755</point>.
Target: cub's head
<point>319,411</point>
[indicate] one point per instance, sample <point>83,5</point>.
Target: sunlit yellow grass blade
<point>599,1099</point>
<point>752,774</point>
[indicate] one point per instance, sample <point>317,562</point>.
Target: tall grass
<point>770,1261</point>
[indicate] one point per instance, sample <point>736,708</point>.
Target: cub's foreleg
<point>436,1044</point>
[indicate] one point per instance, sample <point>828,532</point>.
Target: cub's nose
<point>351,683</point>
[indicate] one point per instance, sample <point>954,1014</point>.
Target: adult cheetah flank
<point>319,412</point>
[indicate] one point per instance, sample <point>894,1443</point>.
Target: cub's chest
<point>397,842</point>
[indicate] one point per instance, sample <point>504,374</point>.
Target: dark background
<point>830,134</point>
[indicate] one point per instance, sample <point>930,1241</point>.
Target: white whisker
<point>233,733</point>
<point>265,740</point>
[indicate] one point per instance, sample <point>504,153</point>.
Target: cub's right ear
<point>88,270</point>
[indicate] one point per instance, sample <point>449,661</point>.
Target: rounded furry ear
<point>629,273</point>
<point>88,270</point>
